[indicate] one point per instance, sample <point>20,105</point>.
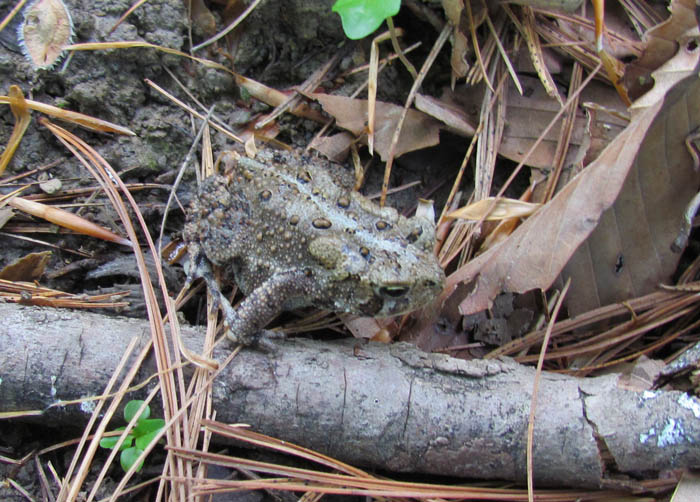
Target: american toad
<point>293,237</point>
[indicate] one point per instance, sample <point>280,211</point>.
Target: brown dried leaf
<point>502,209</point>
<point>632,254</point>
<point>536,252</point>
<point>447,112</point>
<point>528,115</point>
<point>419,130</point>
<point>363,327</point>
<point>460,45</point>
<point>29,268</point>
<point>203,21</point>
<point>629,253</point>
<point>672,71</point>
<point>661,44</point>
<point>6,215</point>
<point>335,147</point>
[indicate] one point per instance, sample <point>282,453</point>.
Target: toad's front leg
<point>245,324</point>
<point>262,305</point>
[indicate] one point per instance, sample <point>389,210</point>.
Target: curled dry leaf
<point>45,33</point>
<point>672,71</point>
<point>661,45</point>
<point>495,209</point>
<point>419,130</point>
<point>460,44</point>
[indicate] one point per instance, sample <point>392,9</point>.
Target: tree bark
<point>391,407</point>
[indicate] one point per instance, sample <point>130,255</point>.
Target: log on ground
<point>385,406</point>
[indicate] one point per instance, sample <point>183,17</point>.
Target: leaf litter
<point>533,254</point>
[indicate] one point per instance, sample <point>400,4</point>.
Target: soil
<point>280,44</point>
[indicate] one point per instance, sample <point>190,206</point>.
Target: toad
<point>292,236</point>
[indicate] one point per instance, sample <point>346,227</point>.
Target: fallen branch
<point>391,407</point>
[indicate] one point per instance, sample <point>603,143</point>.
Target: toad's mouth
<point>394,291</point>
<point>401,298</point>
<point>394,299</point>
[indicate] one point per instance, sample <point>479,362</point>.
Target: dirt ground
<point>279,49</point>
<point>280,44</point>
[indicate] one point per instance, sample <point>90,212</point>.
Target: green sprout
<point>138,439</point>
<point>362,17</point>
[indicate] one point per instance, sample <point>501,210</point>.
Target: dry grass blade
<point>71,485</point>
<point>10,15</point>
<point>439,43</point>
<point>228,29</point>
<point>565,134</point>
<point>113,185</point>
<point>536,55</point>
<point>20,112</point>
<point>392,34</point>
<point>257,90</point>
<point>128,12</point>
<point>495,36</point>
<point>66,219</point>
<point>293,101</point>
<point>307,480</point>
<point>77,118</point>
<point>613,345</point>
<point>263,441</point>
<point>535,391</point>
<point>636,306</point>
<point>31,294</point>
<point>6,415</point>
<point>20,489</point>
<point>122,437</point>
<point>475,44</point>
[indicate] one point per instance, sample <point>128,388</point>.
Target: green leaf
<point>128,457</point>
<point>143,441</point>
<point>111,441</point>
<point>148,426</point>
<point>132,407</point>
<point>362,17</point>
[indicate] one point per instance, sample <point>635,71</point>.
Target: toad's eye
<point>393,291</point>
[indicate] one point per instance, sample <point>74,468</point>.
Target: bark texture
<point>391,407</point>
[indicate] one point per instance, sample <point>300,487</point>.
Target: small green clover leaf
<point>143,433</point>
<point>132,407</point>
<point>111,441</point>
<point>362,17</point>
<point>128,457</point>
<point>147,430</point>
